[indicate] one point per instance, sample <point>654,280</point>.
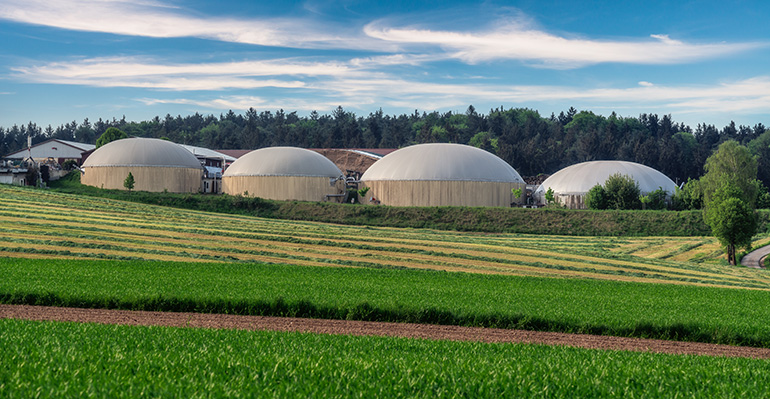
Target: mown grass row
<point>662,311</point>
<point>50,359</point>
<point>39,223</point>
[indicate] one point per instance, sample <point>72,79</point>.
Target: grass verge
<point>481,219</point>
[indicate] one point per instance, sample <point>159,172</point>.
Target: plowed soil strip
<point>348,327</point>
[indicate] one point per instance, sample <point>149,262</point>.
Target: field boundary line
<point>367,328</point>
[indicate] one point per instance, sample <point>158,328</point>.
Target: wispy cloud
<point>139,73</point>
<point>506,39</point>
<point>739,97</point>
<point>306,85</point>
<point>159,20</point>
<point>512,41</point>
<point>246,102</point>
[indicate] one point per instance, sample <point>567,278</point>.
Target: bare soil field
<point>347,327</point>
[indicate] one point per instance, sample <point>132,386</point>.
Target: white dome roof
<point>440,161</point>
<point>142,152</point>
<point>579,178</point>
<point>283,161</point>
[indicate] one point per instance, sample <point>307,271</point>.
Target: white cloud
<point>305,85</point>
<point>739,97</point>
<point>516,42</point>
<point>159,20</point>
<point>131,72</point>
<point>733,98</point>
<point>246,102</point>
<point>506,39</point>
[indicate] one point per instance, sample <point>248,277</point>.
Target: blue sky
<point>700,61</point>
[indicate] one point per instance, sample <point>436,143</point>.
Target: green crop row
<point>50,359</point>
<point>663,311</point>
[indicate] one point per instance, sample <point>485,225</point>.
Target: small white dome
<point>142,152</point>
<point>283,161</point>
<point>578,179</point>
<point>442,162</point>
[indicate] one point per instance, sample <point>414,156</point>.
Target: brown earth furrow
<point>348,327</point>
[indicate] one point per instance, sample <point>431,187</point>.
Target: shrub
<point>689,197</point>
<point>622,192</point>
<point>69,164</point>
<point>655,200</point>
<point>596,198</point>
<point>549,197</point>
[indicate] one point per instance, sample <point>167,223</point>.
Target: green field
<point>67,250</point>
<point>44,224</point>
<point>49,359</point>
<point>665,311</point>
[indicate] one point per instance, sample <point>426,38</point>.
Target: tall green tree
<point>111,134</point>
<point>731,163</point>
<point>732,221</point>
<point>729,190</point>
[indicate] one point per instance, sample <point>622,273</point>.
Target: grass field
<point>665,311</point>
<point>67,250</point>
<point>44,224</point>
<point>46,359</point>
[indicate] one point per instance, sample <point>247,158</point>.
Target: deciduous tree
<point>732,221</point>
<point>731,163</point>
<point>111,134</point>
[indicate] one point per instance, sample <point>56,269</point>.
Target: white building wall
<point>51,149</point>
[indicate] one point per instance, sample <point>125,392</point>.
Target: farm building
<point>156,165</point>
<point>214,164</point>
<point>571,184</point>
<point>284,173</point>
<point>55,149</point>
<point>441,174</point>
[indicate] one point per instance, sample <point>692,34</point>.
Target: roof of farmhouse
<point>53,148</point>
<point>579,178</point>
<point>442,161</point>
<point>283,161</point>
<point>202,152</point>
<point>142,152</point>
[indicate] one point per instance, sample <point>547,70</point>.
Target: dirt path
<point>756,257</point>
<point>425,331</point>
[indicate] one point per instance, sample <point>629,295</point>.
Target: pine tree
<point>129,182</point>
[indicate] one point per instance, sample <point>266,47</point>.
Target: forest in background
<point>529,142</point>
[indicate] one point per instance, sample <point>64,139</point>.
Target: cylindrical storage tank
<point>284,173</point>
<point>157,165</point>
<point>442,174</point>
<point>571,184</point>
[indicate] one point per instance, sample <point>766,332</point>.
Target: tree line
<point>531,143</point>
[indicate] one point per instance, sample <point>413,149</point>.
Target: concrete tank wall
<point>146,178</point>
<point>300,188</point>
<point>442,193</point>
